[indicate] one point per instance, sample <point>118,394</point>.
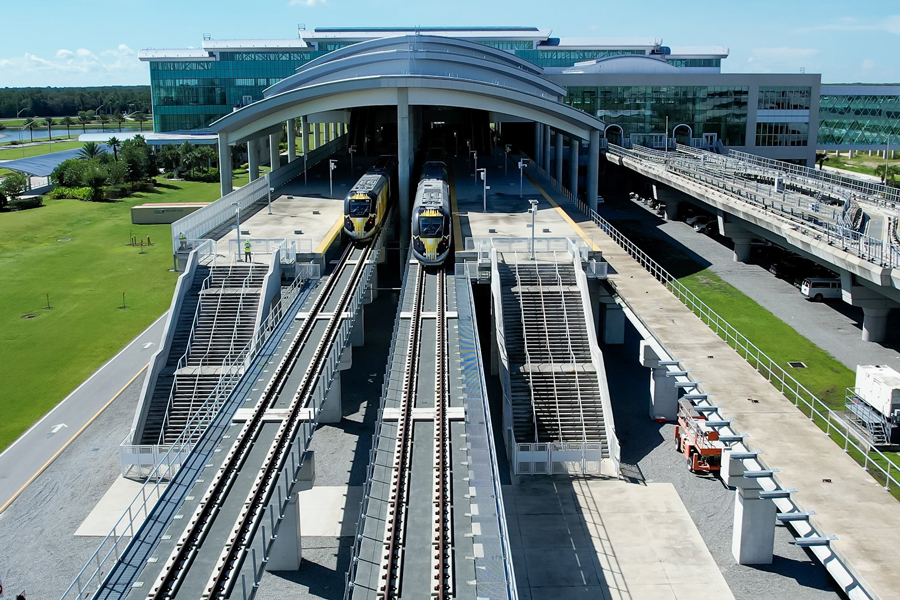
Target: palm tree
<point>68,122</point>
<point>140,118</point>
<point>90,150</point>
<point>118,118</point>
<point>30,124</point>
<point>114,143</point>
<point>84,118</point>
<point>49,122</point>
<point>103,120</point>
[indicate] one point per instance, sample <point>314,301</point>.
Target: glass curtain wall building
<point>634,85</point>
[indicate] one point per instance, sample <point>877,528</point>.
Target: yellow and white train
<point>431,215</point>
<point>366,204</point>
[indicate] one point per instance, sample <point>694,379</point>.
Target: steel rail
<point>442,530</point>
<point>239,540</point>
<point>186,549</point>
<point>389,572</point>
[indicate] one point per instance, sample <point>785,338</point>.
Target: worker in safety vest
<point>247,251</point>
<point>182,239</point>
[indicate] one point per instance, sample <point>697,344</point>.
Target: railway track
<point>397,530</point>
<point>351,264</point>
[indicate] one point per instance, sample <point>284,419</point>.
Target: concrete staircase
<point>554,387</point>
<point>223,326</point>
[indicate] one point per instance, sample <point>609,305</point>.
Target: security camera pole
<point>533,211</point>
<point>506,150</point>
<point>474,153</point>
<point>238,213</point>
<point>332,165</point>
<point>271,189</point>
<point>352,152</point>
<point>523,162</point>
<point>483,174</point>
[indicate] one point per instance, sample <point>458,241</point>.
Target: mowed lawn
<point>17,152</point>
<point>45,357</point>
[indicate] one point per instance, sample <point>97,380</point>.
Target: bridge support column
<point>876,308</point>
<point>313,136</point>
<point>663,393</point>
<point>253,158</point>
<point>558,158</point>
<point>545,154</point>
<point>538,143</point>
<point>593,172</point>
<point>287,549</point>
<point>274,151</point>
<point>753,537</point>
<point>574,145</point>
<point>738,235</point>
<point>332,409</point>
<point>613,321</point>
<point>225,165</point>
<point>874,327</point>
<point>358,333</point>
<point>291,140</point>
<point>329,131</point>
<point>404,164</point>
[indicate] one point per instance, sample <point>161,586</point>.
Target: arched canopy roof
<point>436,71</point>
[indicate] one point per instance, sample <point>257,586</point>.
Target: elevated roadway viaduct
<point>867,282</point>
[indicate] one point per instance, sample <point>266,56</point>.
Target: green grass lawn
<point>860,163</point>
<point>26,151</point>
<point>47,356</point>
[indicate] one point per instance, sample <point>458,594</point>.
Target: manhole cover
<point>29,316</point>
<point>64,240</point>
<point>797,364</point>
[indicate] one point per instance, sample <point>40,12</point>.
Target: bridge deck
<point>849,503</point>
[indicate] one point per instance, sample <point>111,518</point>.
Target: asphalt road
<point>33,452</point>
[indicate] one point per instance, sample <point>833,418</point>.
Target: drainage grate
<point>29,316</point>
<point>64,240</point>
<point>797,364</point>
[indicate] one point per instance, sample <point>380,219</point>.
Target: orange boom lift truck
<point>696,440</point>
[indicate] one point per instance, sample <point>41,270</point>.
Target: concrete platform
<point>106,513</point>
<point>609,539</point>
<point>330,510</point>
<point>306,213</point>
<point>849,503</point>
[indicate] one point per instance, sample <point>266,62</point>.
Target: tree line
<point>59,102</point>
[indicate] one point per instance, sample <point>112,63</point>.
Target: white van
<point>819,288</point>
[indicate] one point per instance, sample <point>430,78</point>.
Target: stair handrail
<point>525,347</point>
<point>565,311</point>
<point>540,284</point>
<point>234,329</point>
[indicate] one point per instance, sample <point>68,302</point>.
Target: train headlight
<point>348,224</point>
<point>370,223</point>
<point>419,246</point>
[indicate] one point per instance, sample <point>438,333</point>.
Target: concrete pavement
<point>34,450</point>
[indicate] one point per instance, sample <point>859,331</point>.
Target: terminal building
<point>640,88</point>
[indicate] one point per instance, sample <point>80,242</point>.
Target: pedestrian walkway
<point>848,502</point>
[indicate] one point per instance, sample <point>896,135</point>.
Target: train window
<point>359,208</point>
<point>430,226</point>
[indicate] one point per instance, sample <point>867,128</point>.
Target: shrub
<point>117,191</point>
<point>26,203</point>
<point>210,176</point>
<point>13,185</point>
<point>76,193</point>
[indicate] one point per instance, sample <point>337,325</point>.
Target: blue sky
<point>89,42</point>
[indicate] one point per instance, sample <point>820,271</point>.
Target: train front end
<point>360,215</point>
<point>431,235</point>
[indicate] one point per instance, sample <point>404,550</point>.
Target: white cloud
<point>307,2</point>
<point>782,53</point>
<point>868,64</point>
<point>890,24</point>
<point>116,66</point>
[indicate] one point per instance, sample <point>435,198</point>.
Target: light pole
<point>533,211</point>
<point>475,154</point>
<point>455,145</point>
<point>305,182</point>
<point>485,187</point>
<point>523,162</point>
<point>468,149</point>
<point>238,213</point>
<point>667,134</point>
<point>352,152</point>
<point>271,189</point>
<point>506,150</point>
<point>332,165</point>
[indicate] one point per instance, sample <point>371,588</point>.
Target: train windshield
<point>431,226</point>
<point>358,207</point>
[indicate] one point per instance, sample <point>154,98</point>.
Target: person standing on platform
<point>247,255</point>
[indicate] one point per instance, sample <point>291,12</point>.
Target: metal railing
<point>91,576</point>
<point>846,435</point>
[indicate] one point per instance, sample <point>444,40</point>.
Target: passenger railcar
<point>366,204</point>
<point>431,215</point>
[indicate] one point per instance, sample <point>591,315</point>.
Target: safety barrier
<point>879,465</point>
<point>199,223</point>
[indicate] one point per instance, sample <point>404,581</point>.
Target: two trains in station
<point>366,205</point>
